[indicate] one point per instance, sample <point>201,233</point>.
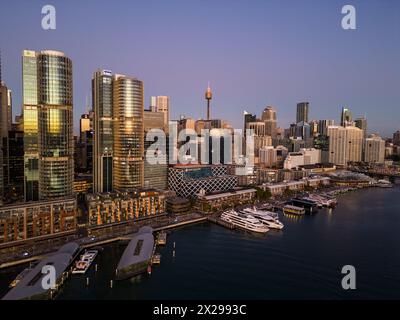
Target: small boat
<point>289,209</point>
<point>85,262</point>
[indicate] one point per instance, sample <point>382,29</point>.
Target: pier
<point>217,220</point>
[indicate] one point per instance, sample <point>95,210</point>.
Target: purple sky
<point>254,53</point>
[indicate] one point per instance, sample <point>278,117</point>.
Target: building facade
<point>128,133</point>
<point>21,222</point>
<point>302,112</point>
<point>48,127</point>
<point>374,149</point>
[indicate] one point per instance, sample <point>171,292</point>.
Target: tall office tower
<point>396,138</point>
<point>103,139</point>
<point>155,175</point>
<point>323,126</point>
<point>302,112</point>
<point>14,166</point>
<point>84,124</point>
<point>361,123</point>
<point>354,144</point>
<point>208,96</point>
<point>128,133</point>
<point>346,118</point>
<point>30,107</point>
<point>269,117</point>
<point>374,149</point>
<point>5,126</point>
<point>48,132</point>
<point>161,104</point>
<point>248,117</point>
<point>337,145</point>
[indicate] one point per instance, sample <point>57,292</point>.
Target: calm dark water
<point>303,261</point>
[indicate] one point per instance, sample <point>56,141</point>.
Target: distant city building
<point>304,157</point>
<point>346,117</point>
<point>362,124</point>
<point>302,112</point>
<point>161,104</point>
<point>192,180</point>
<point>269,118</point>
<point>323,126</point>
<point>345,144</point>
<point>48,127</point>
<point>272,157</point>
<point>396,138</point>
<point>374,149</point>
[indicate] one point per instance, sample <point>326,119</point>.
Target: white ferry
<point>289,209</point>
<point>265,217</point>
<point>273,215</point>
<point>248,223</point>
<point>84,262</point>
<point>321,200</point>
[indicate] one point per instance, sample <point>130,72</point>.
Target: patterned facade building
<point>191,180</point>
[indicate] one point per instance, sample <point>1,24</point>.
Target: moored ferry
<point>85,262</point>
<point>289,209</point>
<point>245,222</point>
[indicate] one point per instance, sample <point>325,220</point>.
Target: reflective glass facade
<point>128,133</point>
<point>102,97</point>
<point>48,137</point>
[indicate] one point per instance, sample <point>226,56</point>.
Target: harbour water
<point>303,261</point>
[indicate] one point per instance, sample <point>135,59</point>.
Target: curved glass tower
<point>48,113</point>
<point>128,133</point>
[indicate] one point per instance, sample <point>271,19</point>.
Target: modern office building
<point>270,119</point>
<point>346,118</point>
<point>48,127</point>
<point>191,180</point>
<point>161,104</point>
<point>13,168</point>
<point>155,175</point>
<point>374,149</point>
<point>323,126</point>
<point>128,105</point>
<point>103,138</point>
<point>302,112</point>
<point>362,124</point>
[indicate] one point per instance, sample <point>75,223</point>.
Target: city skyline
<point>266,65</point>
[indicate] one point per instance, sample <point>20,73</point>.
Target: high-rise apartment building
<point>345,144</point>
<point>396,138</point>
<point>48,127</point>
<point>374,149</point>
<point>337,145</point>
<point>128,105</point>
<point>302,112</point>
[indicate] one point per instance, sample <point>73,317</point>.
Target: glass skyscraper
<point>128,105</point>
<point>48,127</point>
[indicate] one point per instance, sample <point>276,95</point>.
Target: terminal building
<point>191,180</point>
